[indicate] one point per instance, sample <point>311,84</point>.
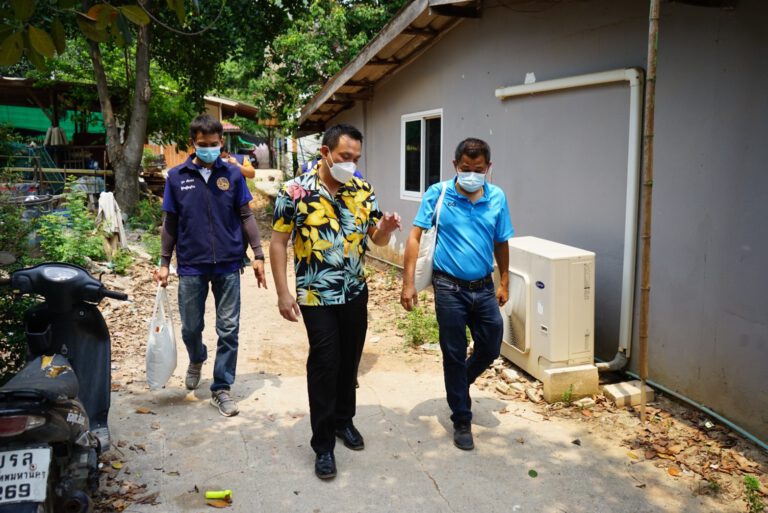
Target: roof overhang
<point>418,26</point>
<point>233,107</point>
<point>27,92</point>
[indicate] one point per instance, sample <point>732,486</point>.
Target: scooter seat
<point>51,377</point>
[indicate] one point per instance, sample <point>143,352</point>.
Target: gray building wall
<point>561,158</point>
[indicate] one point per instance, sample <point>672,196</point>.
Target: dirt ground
<point>703,457</point>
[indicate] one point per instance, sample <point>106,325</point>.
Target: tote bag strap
<point>440,205</point>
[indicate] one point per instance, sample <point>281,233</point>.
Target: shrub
<point>752,496</point>
<point>148,214</point>
<point>151,243</point>
<point>121,261</point>
<point>419,326</point>
<point>71,240</point>
<point>13,345</point>
<point>14,230</point>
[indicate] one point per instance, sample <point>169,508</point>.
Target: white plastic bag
<point>423,275</point>
<point>161,343</point>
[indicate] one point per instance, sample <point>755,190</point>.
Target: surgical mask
<point>343,172</point>
<point>208,155</point>
<point>470,181</point>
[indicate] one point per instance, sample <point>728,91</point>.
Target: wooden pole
<point>647,197</point>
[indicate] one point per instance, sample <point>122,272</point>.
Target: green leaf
<point>23,9</point>
<point>5,30</point>
<point>89,29</point>
<point>125,30</point>
<point>533,473</point>
<point>180,14</point>
<point>41,42</point>
<point>171,4</point>
<point>36,59</point>
<point>135,14</point>
<point>59,36</point>
<point>117,36</point>
<point>105,17</point>
<point>11,49</point>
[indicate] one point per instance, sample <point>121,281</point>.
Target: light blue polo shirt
<point>467,231</point>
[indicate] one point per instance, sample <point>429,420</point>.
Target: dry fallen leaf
<point>144,411</point>
<point>675,449</point>
<point>673,471</point>
<point>632,455</point>
<point>117,465</point>
<point>148,499</point>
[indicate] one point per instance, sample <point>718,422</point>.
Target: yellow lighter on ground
<point>219,494</point>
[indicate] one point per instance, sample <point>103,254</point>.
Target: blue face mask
<point>471,181</point>
<point>208,155</point>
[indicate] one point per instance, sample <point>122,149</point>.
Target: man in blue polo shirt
<point>474,227</point>
<point>206,217</point>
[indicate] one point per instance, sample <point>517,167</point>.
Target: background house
<point>429,79</point>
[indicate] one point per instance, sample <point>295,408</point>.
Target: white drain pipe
<point>634,76</point>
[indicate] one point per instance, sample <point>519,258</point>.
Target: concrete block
<point>519,387</point>
<point>627,393</point>
<point>557,382</point>
<point>586,402</point>
<point>509,375</point>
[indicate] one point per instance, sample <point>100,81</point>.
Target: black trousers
<point>336,338</point>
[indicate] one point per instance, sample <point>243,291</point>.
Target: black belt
<point>471,284</point>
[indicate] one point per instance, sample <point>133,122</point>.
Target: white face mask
<point>342,172</point>
<point>470,181</point>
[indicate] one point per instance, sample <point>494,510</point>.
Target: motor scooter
<point>53,413</point>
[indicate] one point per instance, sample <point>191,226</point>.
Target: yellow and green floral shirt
<point>329,236</point>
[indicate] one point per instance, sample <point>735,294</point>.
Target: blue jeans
<point>458,308</point>
<point>193,291</point>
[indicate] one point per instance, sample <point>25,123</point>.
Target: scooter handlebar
<point>120,296</point>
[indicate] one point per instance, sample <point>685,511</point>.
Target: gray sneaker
<point>226,405</point>
<point>192,379</point>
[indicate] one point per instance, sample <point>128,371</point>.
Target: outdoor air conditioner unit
<point>549,320</point>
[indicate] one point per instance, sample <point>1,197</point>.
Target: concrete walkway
<point>409,463</point>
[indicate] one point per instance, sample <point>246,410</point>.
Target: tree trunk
<point>126,157</point>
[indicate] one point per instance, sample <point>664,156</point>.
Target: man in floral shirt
<point>329,214</point>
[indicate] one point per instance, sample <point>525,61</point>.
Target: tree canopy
<point>316,41</point>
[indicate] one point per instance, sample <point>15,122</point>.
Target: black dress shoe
<point>462,436</point>
<point>351,437</point>
<point>325,465</point>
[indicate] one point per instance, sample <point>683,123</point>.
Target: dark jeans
<point>336,337</point>
<point>193,291</point>
<point>458,308</point>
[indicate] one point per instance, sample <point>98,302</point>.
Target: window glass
<point>432,153</point>
<point>413,156</point>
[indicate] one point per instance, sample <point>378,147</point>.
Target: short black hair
<point>206,125</point>
<point>332,135</point>
<point>473,148</point>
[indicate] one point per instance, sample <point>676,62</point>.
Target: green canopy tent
<point>32,121</point>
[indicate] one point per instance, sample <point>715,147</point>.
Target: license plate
<point>24,475</point>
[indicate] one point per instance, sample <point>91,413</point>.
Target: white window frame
<point>418,116</point>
